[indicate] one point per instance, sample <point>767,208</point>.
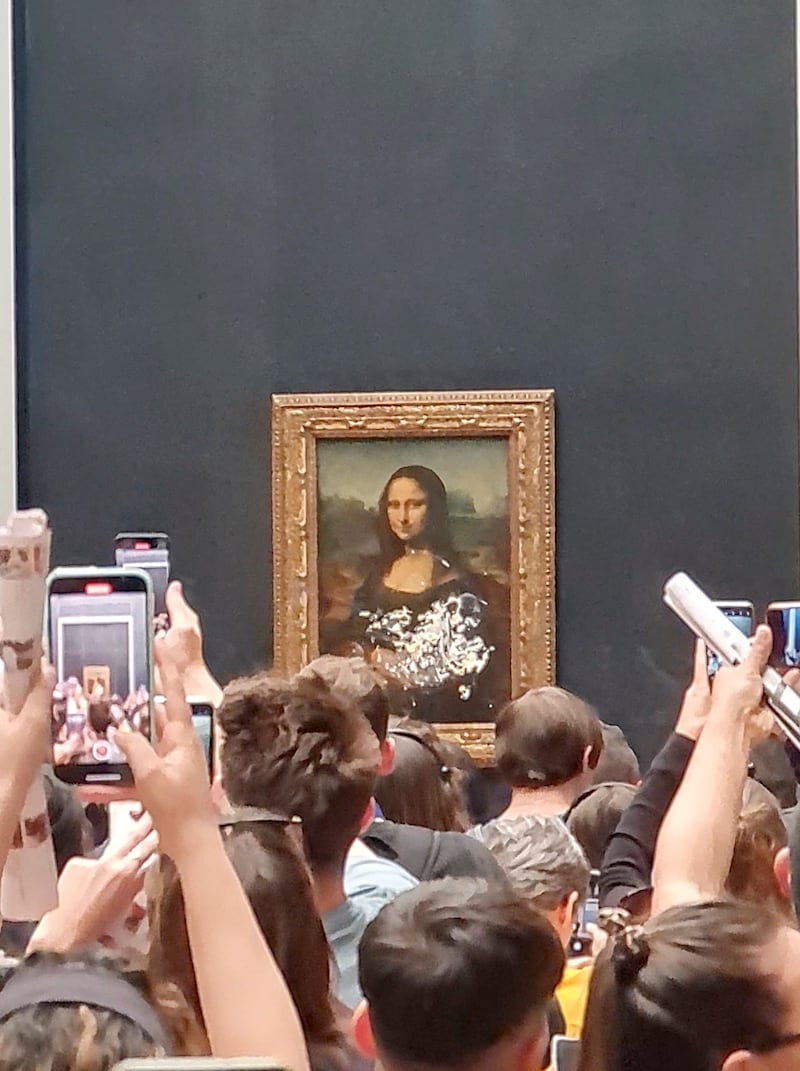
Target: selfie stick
<point>707,621</point>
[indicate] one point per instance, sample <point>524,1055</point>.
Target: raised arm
<point>695,844</point>
<point>628,864</point>
<point>246,1005</point>
<point>24,746</point>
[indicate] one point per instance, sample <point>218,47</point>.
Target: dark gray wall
<point>223,200</point>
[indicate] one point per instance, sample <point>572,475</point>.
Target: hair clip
<point>256,814</point>
<point>631,953</point>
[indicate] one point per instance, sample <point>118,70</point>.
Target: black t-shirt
<point>429,854</point>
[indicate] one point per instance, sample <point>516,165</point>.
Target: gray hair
<point>541,858</point>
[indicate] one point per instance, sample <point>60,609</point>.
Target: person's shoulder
<point>368,876</point>
<point>430,854</point>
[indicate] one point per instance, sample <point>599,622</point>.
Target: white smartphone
<point>99,638</point>
<point>565,1053</point>
<point>740,612</point>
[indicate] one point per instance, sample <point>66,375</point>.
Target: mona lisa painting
<point>416,530</point>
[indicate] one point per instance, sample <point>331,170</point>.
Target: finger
<point>159,718</point>
<point>700,673</point>
<point>175,706</point>
<point>760,649</point>
<point>139,754</point>
<point>106,793</point>
<point>140,855</point>
<point>792,678</point>
<point>127,836</point>
<point>181,615</point>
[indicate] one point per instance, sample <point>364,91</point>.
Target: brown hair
<point>422,789</point>
<point>594,817</point>
<point>452,967</point>
<point>542,737</point>
<point>354,683</point>
<point>82,1038</point>
<point>760,835</point>
<point>684,991</point>
<point>293,747</point>
<point>276,882</point>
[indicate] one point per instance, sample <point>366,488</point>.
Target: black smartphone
<point>784,620</point>
<point>203,722</point>
<point>565,1053</point>
<point>582,938</point>
<point>741,613</point>
<point>148,551</point>
<point>99,637</point>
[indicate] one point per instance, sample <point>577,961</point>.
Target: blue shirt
<point>369,883</point>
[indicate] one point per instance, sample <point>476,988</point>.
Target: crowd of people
<point>80,720</point>
<point>346,895</point>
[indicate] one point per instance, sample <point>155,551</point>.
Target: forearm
<point>627,867</point>
<point>246,1004</point>
<point>695,845</point>
<point>13,790</point>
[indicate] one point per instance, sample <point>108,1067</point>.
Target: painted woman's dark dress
<point>447,647</point>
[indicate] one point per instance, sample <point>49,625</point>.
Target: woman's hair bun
<point>631,953</point>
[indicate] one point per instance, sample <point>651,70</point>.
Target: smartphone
<point>581,941</point>
<point>565,1053</point>
<point>203,722</point>
<point>740,612</point>
<point>784,620</point>
<point>148,551</point>
<point>99,638</point>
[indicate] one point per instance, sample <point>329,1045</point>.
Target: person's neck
<point>328,891</point>
<point>554,799</point>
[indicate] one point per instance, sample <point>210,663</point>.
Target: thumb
<point>760,649</point>
<point>140,756</point>
<point>179,610</point>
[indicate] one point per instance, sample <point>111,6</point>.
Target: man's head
<point>355,684</point>
<point>544,864</point>
<point>548,737</point>
<point>292,747</point>
<point>618,761</point>
<point>595,815</point>
<point>457,974</point>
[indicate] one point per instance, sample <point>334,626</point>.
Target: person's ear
<point>740,1061</point>
<point>361,1031</point>
<point>387,757</point>
<point>782,872</point>
<point>590,759</point>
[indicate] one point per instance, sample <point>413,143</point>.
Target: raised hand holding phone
<point>229,952</point>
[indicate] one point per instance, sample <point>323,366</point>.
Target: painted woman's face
<point>406,508</point>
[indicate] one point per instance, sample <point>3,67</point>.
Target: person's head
<point>618,761</point>
<point>759,867</point>
<point>70,828</point>
<point>457,974</point>
<point>290,746</point>
<point>486,795</point>
<point>276,882</point>
<point>543,862</point>
<point>595,815</point>
<point>547,738</point>
<point>412,512</point>
<point>421,789</point>
<point>772,768</point>
<point>100,716</point>
<point>82,1013</point>
<point>354,683</point>
<point>702,987</point>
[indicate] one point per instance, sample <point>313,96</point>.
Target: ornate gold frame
<point>524,418</point>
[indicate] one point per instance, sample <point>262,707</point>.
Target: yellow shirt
<point>572,993</point>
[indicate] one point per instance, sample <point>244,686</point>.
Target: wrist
<point>55,933</point>
<point>196,839</point>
